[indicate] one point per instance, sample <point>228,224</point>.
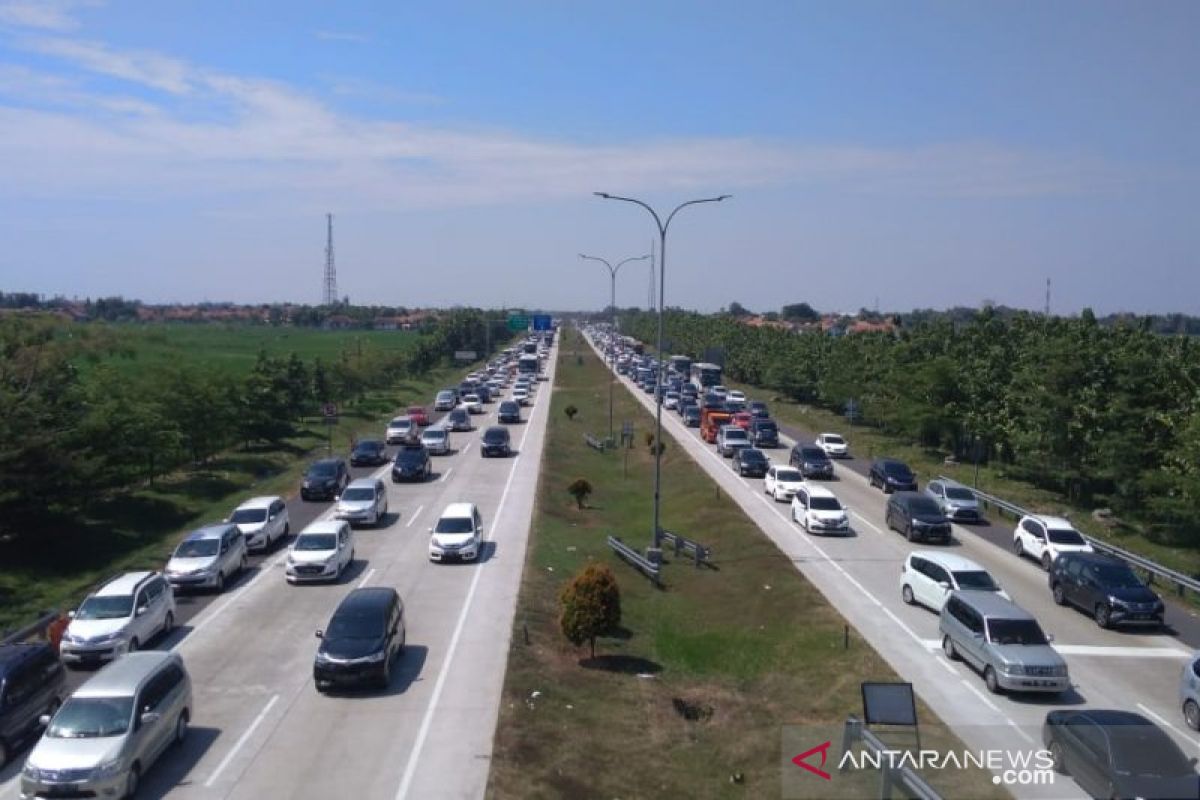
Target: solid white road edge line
<point>241,741</point>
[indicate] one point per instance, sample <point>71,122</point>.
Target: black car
<point>892,476</point>
<point>412,464</point>
<point>1118,754</point>
<point>734,406</point>
<point>714,401</point>
<point>691,416</point>
<point>758,409</point>
<point>811,461</point>
<point>32,683</point>
<point>764,432</point>
<point>509,412</point>
<point>917,516</point>
<point>750,462</point>
<point>1106,588</point>
<point>484,392</point>
<point>495,442</point>
<point>368,452</point>
<point>458,420</point>
<point>363,639</point>
<point>325,479</point>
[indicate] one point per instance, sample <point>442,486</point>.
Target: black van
<point>363,639</point>
<point>32,683</point>
<point>764,432</point>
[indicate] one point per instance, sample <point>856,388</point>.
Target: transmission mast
<point>331,293</point>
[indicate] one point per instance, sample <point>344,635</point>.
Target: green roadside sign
<point>518,322</point>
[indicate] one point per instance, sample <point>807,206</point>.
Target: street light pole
<point>662,285</point>
<point>612,271</point>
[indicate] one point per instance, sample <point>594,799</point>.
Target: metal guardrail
<point>34,630</point>
<point>700,553</point>
<point>1182,583</point>
<point>905,779</point>
<point>636,560</point>
<point>595,443</point>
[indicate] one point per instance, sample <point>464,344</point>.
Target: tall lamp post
<point>662,284</point>
<point>612,272</point>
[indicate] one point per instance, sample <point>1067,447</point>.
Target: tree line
<point>69,435</point>
<point>1102,414</point>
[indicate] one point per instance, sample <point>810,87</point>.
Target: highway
<point>260,728</point>
<point>859,574</point>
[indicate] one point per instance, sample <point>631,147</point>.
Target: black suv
<point>32,683</point>
<point>458,420</point>
<point>691,416</point>
<point>495,442</point>
<point>764,432</point>
<point>811,461</point>
<point>758,409</point>
<point>917,516</point>
<point>411,464</point>
<point>509,411</point>
<point>1106,588</point>
<point>325,479</point>
<point>750,462</point>
<point>368,452</point>
<point>892,476</point>
<point>362,640</point>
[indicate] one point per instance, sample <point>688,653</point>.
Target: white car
<point>782,482</point>
<point>363,502</point>
<point>521,395</point>
<point>1044,538</point>
<point>263,521</point>
<point>400,429</point>
<point>671,400</point>
<point>719,390</point>
<point>929,576</point>
<point>473,403</point>
<point>735,396</point>
<point>321,552</point>
<point>118,618</point>
<point>834,445</point>
<point>436,440</point>
<point>458,534</point>
<point>819,511</point>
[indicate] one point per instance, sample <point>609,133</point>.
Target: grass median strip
<point>690,697</point>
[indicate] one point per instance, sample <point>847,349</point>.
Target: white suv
<point>118,618</point>
<point>263,521</point>
<point>321,552</point>
<point>819,511</point>
<point>401,429</point>
<point>458,534</point>
<point>929,576</point>
<point>1044,538</point>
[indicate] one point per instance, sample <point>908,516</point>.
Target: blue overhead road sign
<point>541,322</point>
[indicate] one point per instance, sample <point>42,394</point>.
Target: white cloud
<point>148,69</point>
<point>51,15</point>
<point>341,36</point>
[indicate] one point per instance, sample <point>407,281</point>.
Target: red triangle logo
<point>800,760</point>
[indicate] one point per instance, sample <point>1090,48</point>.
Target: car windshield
<point>1064,536</point>
<point>753,455</point>
<point>400,422</point>
<point>958,493</point>
<point>924,505</point>
<point>322,470</point>
<point>789,476</point>
<point>975,579</point>
<point>814,453</point>
<point>508,406</point>
<point>496,437</point>
<point>91,717</point>
<point>360,493</point>
<point>355,626</point>
<point>1015,631</point>
<point>453,525</point>
<point>1117,576</point>
<point>109,607</point>
<point>247,515</point>
<point>1145,751</point>
<point>824,504</point>
<point>316,541</point>
<point>434,435</point>
<point>832,439</point>
<point>197,548</point>
<point>765,426</point>
<point>897,470</point>
<point>368,447</point>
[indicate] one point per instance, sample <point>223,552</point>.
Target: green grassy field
<point>746,648</point>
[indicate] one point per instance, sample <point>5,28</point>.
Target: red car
<point>743,419</point>
<point>418,415</point>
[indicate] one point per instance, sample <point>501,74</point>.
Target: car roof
<point>990,604</point>
<point>123,585</point>
<point>816,490</point>
<point>831,433</point>
<point>459,510</point>
<point>367,599</point>
<point>371,442</point>
<point>208,532</point>
<point>496,429</point>
<point>909,497</point>
<point>416,408</point>
<point>122,677</point>
<point>323,526</point>
<point>362,483</point>
<point>951,561</point>
<point>433,429</point>
<point>401,418</point>
<point>891,462</point>
<point>333,462</point>
<point>259,502</point>
<point>18,652</point>
<point>1057,523</point>
<point>1091,558</point>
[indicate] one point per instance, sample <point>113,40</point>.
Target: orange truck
<point>711,420</point>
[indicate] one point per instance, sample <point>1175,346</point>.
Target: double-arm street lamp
<point>662,284</point>
<point>612,271</point>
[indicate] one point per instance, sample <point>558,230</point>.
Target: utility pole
<point>330,297</point>
<point>1047,297</point>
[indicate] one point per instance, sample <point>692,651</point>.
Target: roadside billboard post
<point>329,416</point>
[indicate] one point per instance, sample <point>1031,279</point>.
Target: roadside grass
<point>747,648</point>
<point>138,529</point>
<point>868,443</point>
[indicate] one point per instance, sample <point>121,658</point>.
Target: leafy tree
<point>571,411</point>
<point>590,605</point>
<point>580,489</point>
<point>736,309</point>
<point>799,312</point>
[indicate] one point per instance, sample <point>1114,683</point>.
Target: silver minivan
<point>1003,641</point>
<point>208,557</point>
<point>112,729</point>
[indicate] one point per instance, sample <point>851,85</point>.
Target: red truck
<point>711,421</point>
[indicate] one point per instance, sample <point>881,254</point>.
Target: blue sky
<point>907,154</point>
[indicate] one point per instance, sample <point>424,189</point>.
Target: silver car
<point>112,729</point>
<point>436,440</point>
<point>1003,641</point>
<point>364,502</point>
<point>208,557</point>
<point>957,502</point>
<point>1189,692</point>
<point>119,617</point>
